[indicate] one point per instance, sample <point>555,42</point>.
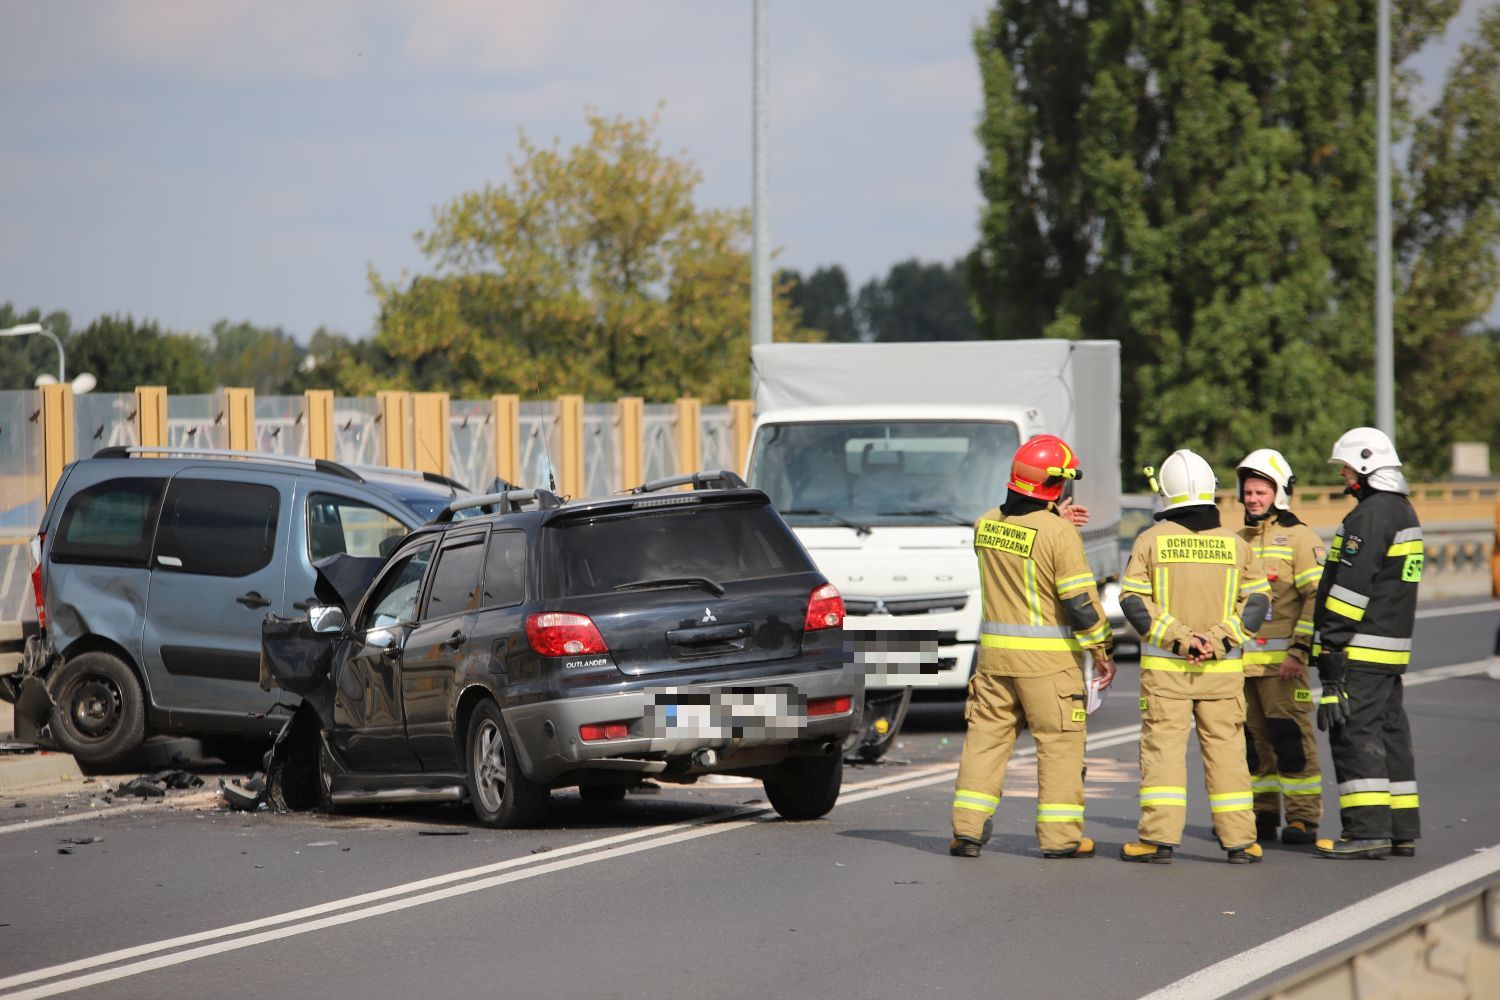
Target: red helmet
<point>1041,466</point>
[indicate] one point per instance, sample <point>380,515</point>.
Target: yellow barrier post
<point>151,414</point>
<point>689,435</point>
<point>1495,556</point>
<point>318,405</point>
<point>507,418</point>
<point>58,447</point>
<point>393,429</point>
<point>430,431</point>
<point>741,423</point>
<point>239,412</point>
<point>570,441</point>
<point>632,454</point>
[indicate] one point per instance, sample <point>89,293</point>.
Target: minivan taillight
<point>825,609</point>
<point>36,579</point>
<point>560,633</point>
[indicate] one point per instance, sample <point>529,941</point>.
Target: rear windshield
<point>721,542</point>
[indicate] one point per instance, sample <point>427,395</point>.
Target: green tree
<point>265,359</point>
<point>23,358</point>
<point>123,353</point>
<point>1196,180</point>
<point>824,302</point>
<point>591,271</point>
<point>917,301</point>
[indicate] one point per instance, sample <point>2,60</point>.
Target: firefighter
<point>1192,591</point>
<point>1365,614</point>
<point>1281,745</point>
<point>1041,615</point>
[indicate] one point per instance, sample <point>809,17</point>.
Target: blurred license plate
<point>893,653</point>
<point>755,713</point>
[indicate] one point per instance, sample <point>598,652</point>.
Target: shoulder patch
<point>1320,554</point>
<point>1352,544</point>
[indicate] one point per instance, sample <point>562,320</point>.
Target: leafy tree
<point>262,358</point>
<point>824,302</point>
<point>917,301</point>
<point>123,354</point>
<point>590,271</point>
<point>23,358</point>
<point>1196,180</point>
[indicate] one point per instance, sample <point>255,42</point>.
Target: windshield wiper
<point>669,582</point>
<point>858,529</point>
<point>948,516</point>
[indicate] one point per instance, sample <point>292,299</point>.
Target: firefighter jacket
<point>1041,604</point>
<point>1288,554</point>
<point>1367,600</point>
<point>1181,581</point>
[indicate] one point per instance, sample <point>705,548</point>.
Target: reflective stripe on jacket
<point>1288,556</point>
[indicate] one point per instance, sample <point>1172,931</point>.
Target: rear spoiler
<point>720,479</point>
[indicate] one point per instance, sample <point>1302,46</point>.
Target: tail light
<point>36,579</point>
<point>559,633</point>
<point>825,609</point>
<point>829,706</point>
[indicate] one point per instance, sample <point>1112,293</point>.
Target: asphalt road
<point>702,892</point>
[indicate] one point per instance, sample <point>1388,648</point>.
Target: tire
<point>502,796</point>
<point>865,743</point>
<point>99,709</point>
<point>806,787</point>
<point>601,793</point>
<point>294,767</point>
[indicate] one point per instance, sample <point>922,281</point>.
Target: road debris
<point>247,796</point>
<point>454,832</point>
<point>155,786</point>
<point>324,843</point>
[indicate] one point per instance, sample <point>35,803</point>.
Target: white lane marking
<point>37,824</point>
<point>1463,609</point>
<point>1303,943</point>
<point>1418,677</point>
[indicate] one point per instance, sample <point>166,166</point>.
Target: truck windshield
<point>906,472</point>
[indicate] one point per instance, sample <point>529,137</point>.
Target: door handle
<point>253,600</point>
<point>455,640</point>
<point>304,605</point>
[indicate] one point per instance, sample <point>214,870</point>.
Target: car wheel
<point>601,793</point>
<point>99,710</point>
<point>501,794</point>
<point>295,781</point>
<point>806,787</point>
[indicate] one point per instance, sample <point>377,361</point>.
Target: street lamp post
<point>29,328</point>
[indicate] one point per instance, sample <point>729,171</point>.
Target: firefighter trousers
<point>1052,707</point>
<point>1372,759</point>
<point>1281,747</point>
<point>1165,722</point>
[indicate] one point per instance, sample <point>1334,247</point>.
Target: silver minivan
<point>155,568</point>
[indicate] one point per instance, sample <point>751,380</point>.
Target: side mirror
<point>327,620</point>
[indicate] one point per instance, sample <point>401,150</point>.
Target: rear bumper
<point>545,734</point>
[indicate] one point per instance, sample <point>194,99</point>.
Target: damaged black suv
<point>662,634</point>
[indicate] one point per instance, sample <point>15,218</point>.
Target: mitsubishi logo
<point>708,616</point>
<point>880,608</point>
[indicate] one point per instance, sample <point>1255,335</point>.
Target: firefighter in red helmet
<point>1042,616</point>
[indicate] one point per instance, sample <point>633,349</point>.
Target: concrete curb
<point>25,770</point>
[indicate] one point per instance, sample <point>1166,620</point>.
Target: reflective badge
<point>1013,538</point>
<point>1143,704</point>
<point>1411,569</point>
<point>1302,694</point>
<point>1320,554</point>
<point>1196,549</point>
<point>1080,715</point>
<point>1352,544</point>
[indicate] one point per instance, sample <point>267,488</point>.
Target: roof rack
<point>167,451</point>
<point>721,479</point>
<point>508,502</point>
<point>391,470</point>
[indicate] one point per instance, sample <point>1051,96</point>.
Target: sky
<point>195,161</point>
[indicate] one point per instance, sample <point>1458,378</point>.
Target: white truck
<point>882,456</point>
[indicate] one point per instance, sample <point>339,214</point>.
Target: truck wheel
<point>868,743</point>
<point>501,794</point>
<point>806,787</point>
<point>99,710</point>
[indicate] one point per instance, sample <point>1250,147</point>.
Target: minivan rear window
<point>110,523</point>
<point>721,542</point>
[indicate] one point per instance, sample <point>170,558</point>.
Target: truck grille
<point>919,605</point>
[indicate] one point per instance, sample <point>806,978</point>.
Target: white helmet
<point>1365,449</point>
<point>1185,480</point>
<point>1268,463</point>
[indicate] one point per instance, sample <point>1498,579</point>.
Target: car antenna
<point>536,391</point>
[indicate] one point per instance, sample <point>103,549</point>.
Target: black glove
<point>1333,707</point>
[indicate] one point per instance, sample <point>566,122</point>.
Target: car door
<point>499,630</point>
<point>437,645</point>
<point>217,569</point>
<point>332,523</point>
<point>369,726</point>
